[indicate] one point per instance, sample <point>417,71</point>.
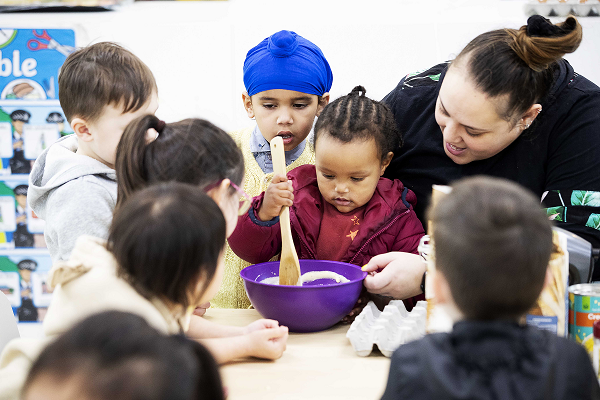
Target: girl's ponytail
<point>129,165</point>
<point>540,43</point>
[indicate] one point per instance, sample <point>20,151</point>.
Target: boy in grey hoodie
<point>73,184</point>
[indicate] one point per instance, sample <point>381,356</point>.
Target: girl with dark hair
<point>508,106</point>
<point>196,152</point>
<point>164,253</point>
<point>191,151</point>
<point>118,356</point>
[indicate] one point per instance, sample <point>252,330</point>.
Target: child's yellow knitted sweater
<point>232,293</point>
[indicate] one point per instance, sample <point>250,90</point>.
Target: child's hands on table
<point>280,193</point>
<point>268,343</point>
<point>261,324</point>
<point>201,309</point>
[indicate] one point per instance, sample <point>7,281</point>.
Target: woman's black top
<point>558,157</point>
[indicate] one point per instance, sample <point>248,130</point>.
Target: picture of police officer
<point>27,311</point>
<point>22,236</point>
<point>59,120</point>
<point>18,163</point>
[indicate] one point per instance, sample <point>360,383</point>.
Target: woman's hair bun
<point>358,91</point>
<point>540,26</point>
<point>540,43</point>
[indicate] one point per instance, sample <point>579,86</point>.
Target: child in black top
<point>492,248</point>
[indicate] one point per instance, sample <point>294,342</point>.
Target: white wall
<point>196,49</point>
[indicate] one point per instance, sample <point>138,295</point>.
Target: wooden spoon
<point>289,266</point>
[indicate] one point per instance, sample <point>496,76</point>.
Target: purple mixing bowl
<point>313,307</point>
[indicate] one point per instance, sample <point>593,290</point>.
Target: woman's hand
<point>280,193</point>
<point>395,274</point>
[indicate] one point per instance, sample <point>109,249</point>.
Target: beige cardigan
<point>232,293</point>
<point>84,285</point>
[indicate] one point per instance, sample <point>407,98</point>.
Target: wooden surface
<point>324,366</point>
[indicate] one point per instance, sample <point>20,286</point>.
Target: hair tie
<point>160,126</point>
<point>358,91</point>
<point>543,27</point>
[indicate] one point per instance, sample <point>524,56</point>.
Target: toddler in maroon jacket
<point>341,208</point>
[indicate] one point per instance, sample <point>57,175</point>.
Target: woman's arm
<point>573,170</point>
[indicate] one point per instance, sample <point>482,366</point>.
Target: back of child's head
<point>118,356</point>
<point>492,245</point>
<point>100,75</point>
<point>286,60</point>
<point>190,151</point>
<point>357,117</point>
<point>166,239</point>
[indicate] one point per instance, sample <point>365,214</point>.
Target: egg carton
<point>562,8</point>
<point>388,329</point>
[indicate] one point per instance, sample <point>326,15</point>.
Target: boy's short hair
<point>103,74</point>
<point>492,244</point>
<point>118,356</point>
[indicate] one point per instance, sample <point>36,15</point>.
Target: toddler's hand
<point>261,324</point>
<point>268,343</point>
<point>279,193</point>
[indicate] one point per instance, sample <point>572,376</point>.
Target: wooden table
<point>320,365</point>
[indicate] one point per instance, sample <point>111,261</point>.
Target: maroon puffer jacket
<point>389,223</point>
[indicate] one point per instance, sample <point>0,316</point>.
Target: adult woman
<point>507,106</point>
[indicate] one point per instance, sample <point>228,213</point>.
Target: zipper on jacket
<point>377,234</point>
<point>301,240</point>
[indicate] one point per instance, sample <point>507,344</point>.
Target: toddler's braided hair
<point>357,117</point>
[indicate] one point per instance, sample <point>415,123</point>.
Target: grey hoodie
<point>73,193</point>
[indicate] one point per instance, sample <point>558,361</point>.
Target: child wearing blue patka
<point>287,80</point>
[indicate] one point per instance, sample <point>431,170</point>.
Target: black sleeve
<point>573,169</point>
<point>404,379</point>
<point>578,376</point>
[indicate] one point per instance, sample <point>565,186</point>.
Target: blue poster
<point>30,60</point>
<point>19,226</point>
<point>30,115</point>
<point>30,120</point>
<point>24,281</point>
